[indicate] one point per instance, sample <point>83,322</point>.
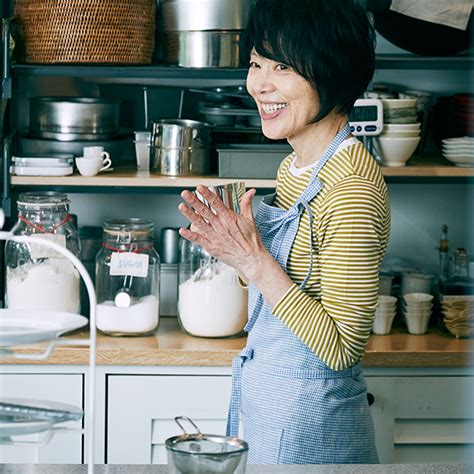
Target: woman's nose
<point>260,83</point>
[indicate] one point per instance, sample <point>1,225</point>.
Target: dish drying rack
<point>56,341</point>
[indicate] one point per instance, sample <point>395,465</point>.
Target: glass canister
<point>211,302</point>
<point>127,279</point>
<point>38,277</point>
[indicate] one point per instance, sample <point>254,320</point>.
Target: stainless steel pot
<point>201,48</point>
<point>181,161</point>
<point>70,118</point>
<point>199,453</point>
<point>201,15</point>
<point>180,133</point>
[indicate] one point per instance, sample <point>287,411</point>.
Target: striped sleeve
<point>351,240</point>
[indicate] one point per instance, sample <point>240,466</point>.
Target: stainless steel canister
<point>202,48</point>
<point>230,193</point>
<point>202,15</point>
<point>180,147</point>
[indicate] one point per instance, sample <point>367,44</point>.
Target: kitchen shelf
<point>420,167</point>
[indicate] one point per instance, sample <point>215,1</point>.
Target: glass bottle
<point>211,301</point>
<point>38,277</point>
<point>127,279</point>
<point>459,282</point>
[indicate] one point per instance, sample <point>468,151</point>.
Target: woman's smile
<point>270,110</point>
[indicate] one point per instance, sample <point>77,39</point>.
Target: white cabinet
<point>423,419</point>
<point>141,411</point>
<point>64,448</point>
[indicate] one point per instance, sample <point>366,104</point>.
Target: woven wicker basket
<point>85,31</point>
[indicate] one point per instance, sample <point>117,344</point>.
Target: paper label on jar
<point>41,251</point>
<point>129,263</point>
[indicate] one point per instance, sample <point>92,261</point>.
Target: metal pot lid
<point>199,444</point>
<point>75,100</point>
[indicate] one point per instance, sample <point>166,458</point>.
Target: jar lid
<point>42,199</point>
<point>127,229</point>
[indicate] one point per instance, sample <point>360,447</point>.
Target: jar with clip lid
<point>127,279</point>
<point>39,277</point>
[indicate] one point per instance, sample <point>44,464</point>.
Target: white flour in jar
<point>214,307</point>
<point>52,285</point>
<point>139,318</point>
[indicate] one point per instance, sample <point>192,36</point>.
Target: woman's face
<point>286,101</point>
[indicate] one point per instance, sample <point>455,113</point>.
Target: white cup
<point>95,152</point>
<point>92,166</point>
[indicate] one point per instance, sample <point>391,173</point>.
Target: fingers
<point>194,237</point>
<point>246,203</point>
<point>198,205</point>
<point>195,219</point>
<point>213,199</point>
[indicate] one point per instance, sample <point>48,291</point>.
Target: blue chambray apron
<point>294,409</point>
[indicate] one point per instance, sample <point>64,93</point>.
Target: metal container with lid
<point>127,279</point>
<point>74,118</point>
<point>199,453</point>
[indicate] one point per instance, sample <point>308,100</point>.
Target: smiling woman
<point>312,253</point>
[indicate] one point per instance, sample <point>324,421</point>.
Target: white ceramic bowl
<point>418,297</point>
<point>465,161</point>
<point>382,324</point>
<point>390,104</point>
<point>414,133</point>
<point>401,127</point>
<point>417,324</point>
<point>395,151</point>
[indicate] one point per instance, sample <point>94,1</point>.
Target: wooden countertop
<point>171,347</point>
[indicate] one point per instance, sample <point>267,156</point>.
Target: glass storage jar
<point>211,301</point>
<point>38,277</point>
<point>127,279</point>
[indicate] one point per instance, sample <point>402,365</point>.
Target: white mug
<point>95,152</point>
<point>92,166</point>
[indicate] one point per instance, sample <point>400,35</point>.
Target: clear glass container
<point>127,279</point>
<point>211,301</point>
<point>38,277</point>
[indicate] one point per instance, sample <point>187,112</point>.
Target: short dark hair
<point>330,43</point>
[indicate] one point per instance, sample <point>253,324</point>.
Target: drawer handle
<point>370,399</point>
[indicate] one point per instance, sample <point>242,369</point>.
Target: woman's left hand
<point>230,237</point>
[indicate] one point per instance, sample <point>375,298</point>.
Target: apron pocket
<point>264,442</point>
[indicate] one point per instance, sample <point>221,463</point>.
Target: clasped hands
<point>230,237</point>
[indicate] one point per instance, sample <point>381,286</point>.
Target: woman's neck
<point>310,144</point>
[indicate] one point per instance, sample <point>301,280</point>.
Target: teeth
<point>269,108</point>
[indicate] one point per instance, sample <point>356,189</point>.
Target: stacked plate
<point>459,151</point>
<point>384,314</point>
<point>417,309</point>
<point>458,312</point>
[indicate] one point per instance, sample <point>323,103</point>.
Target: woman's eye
<point>282,67</point>
<point>254,64</point>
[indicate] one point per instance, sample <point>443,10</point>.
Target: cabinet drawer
<point>64,448</point>
<point>141,411</point>
<point>423,419</point>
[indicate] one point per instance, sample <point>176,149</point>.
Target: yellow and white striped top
<point>333,315</point>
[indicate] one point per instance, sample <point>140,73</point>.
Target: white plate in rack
<point>24,326</point>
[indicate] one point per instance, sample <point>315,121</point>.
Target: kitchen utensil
<point>43,165</point>
<point>23,326</point>
<point>230,193</point>
<point>70,118</point>
<point>202,48</point>
<point>169,245</point>
<point>198,453</point>
<point>92,166</point>
<point>181,161</point>
<point>201,15</point>
<point>124,298</point>
<point>39,410</point>
<point>95,152</point>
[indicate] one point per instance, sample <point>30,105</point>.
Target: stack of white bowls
<point>417,309</point>
<point>384,314</point>
<point>401,132</point>
<point>459,151</point>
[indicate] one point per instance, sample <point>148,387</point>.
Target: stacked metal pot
<point>202,33</point>
<point>180,147</point>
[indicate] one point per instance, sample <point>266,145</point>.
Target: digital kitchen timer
<point>366,117</point>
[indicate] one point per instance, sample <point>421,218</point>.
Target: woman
<point>312,254</point>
